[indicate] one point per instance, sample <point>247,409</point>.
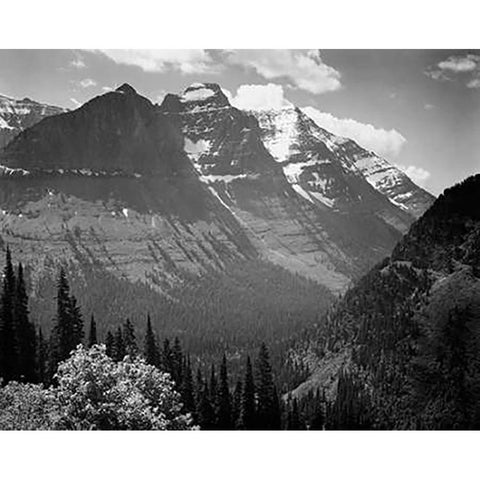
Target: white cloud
<point>302,69</point>
<point>185,61</point>
<point>474,83</point>
<point>458,63</point>
<point>77,62</point>
<point>387,143</point>
<point>258,97</point>
<point>418,174</point>
<point>87,83</point>
<point>463,68</point>
<point>428,106</point>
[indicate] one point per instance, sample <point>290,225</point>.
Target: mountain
<point>308,200</point>
<point>108,191</point>
<point>308,155</point>
<point>185,211</point>
<point>17,115</point>
<point>110,183</point>
<point>402,348</point>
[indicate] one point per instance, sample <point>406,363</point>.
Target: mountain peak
<point>198,96</point>
<point>126,88</point>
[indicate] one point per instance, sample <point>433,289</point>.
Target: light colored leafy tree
<point>93,392</point>
<point>24,406</point>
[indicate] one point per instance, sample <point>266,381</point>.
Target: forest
<point>45,372</point>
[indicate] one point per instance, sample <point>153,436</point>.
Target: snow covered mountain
<point>154,193</point>
<point>307,153</point>
<point>17,115</point>
<point>301,193</point>
<point>109,185</point>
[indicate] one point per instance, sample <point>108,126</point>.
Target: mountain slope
<point>383,330</point>
<point>304,205</point>
<point>17,115</point>
<point>109,184</point>
<point>309,156</point>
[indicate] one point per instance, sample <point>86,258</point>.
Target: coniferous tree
<point>25,332</point>
<point>167,362</point>
<point>129,338</point>
<point>177,361</point>
<point>248,408</point>
<point>92,335</point>
<point>68,325</point>
<point>206,413</point>
<point>293,417</point>
<point>187,389</point>
<point>224,421</point>
<point>237,404</point>
<point>76,321</point>
<point>150,349</point>
<point>268,412</point>
<point>8,346</point>
<point>41,358</point>
<point>119,350</point>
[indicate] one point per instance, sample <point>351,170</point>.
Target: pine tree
<point>177,361</point>
<point>68,324</point>
<point>76,321</point>
<point>41,358</point>
<point>237,404</point>
<point>224,421</point>
<point>150,349</point>
<point>167,358</point>
<point>129,338</point>
<point>8,346</point>
<point>25,332</point>
<point>187,390</point>
<point>92,335</point>
<point>198,389</point>
<point>119,350</point>
<point>206,413</point>
<point>268,411</point>
<point>248,407</point>
<point>293,417</point>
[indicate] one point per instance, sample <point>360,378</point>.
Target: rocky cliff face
<point>17,115</point>
<point>110,185</point>
<point>153,193</point>
<point>294,187</point>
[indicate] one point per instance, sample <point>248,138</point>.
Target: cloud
<point>87,83</point>
<point>77,62</point>
<point>184,61</point>
<point>428,106</point>
<point>457,64</point>
<point>474,83</point>
<point>302,69</point>
<point>461,68</point>
<point>258,97</point>
<point>418,174</point>
<point>387,143</point>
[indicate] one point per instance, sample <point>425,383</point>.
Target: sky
<point>420,109</point>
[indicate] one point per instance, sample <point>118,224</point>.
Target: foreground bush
<point>95,393</point>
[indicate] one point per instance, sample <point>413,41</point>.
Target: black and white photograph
<point>239,240</point>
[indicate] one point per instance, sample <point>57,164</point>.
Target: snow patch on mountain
<point>280,131</point>
<point>5,125</point>
<point>197,94</point>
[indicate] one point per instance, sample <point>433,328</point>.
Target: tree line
<point>216,399</point>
